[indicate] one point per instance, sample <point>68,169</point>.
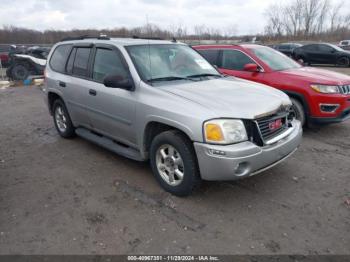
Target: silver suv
<point>162,101</point>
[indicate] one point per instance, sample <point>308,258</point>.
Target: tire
<point>302,60</point>
<point>298,111</point>
<point>343,61</point>
<point>183,160</point>
<point>20,72</point>
<point>62,121</point>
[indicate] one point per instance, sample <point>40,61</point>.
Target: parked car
<point>161,100</point>
<point>344,43</point>
<point>26,62</point>
<point>322,54</point>
<point>318,96</point>
<point>287,48</point>
<point>4,55</point>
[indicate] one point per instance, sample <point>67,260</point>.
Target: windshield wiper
<point>168,78</point>
<point>203,75</point>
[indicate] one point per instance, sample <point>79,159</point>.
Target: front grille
<point>345,89</point>
<point>253,132</point>
<point>267,128</point>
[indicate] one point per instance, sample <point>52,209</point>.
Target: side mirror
<point>117,81</point>
<point>251,68</point>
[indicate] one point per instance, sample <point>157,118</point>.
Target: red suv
<point>318,96</point>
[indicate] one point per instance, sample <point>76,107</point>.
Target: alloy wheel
<point>61,119</point>
<point>170,165</point>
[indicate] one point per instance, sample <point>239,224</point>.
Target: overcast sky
<point>247,15</point>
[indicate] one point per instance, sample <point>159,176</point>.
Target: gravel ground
<point>62,196</point>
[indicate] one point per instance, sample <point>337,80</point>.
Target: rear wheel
<point>20,72</point>
<point>174,163</point>
<point>297,111</point>
<point>63,123</point>
<point>343,62</point>
<point>302,61</point>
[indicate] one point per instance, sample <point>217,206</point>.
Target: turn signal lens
<point>213,132</point>
<point>225,131</point>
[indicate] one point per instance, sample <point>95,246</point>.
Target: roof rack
<point>102,37</point>
<point>147,38</point>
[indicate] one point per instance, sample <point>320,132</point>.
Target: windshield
<point>275,60</point>
<point>169,62</point>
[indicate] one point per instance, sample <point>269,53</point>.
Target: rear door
<point>76,85</point>
<point>312,53</point>
<point>112,110</point>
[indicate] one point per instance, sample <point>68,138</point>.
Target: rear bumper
<point>245,159</point>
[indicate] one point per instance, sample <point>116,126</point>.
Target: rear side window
<point>235,60</point>
<point>71,61</point>
<point>108,62</point>
<point>284,47</point>
<point>311,47</point>
<point>59,58</point>
<point>81,62</point>
<point>211,55</point>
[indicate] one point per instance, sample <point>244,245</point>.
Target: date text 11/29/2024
<point>173,258</point>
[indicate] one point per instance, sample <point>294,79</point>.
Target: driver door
<point>232,63</point>
<point>112,110</point>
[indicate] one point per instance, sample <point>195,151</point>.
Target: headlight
<point>325,89</point>
<point>224,131</point>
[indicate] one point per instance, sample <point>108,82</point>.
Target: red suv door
<point>233,62</point>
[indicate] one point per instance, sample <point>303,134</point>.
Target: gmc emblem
<point>275,124</point>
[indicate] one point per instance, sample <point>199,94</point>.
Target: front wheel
<point>174,163</point>
<point>297,111</point>
<point>343,62</point>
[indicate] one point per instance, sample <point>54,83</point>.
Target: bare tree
<point>307,19</point>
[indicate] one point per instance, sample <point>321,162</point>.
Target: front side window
<point>59,58</point>
<point>81,62</point>
<point>275,60</point>
<point>325,48</point>
<point>169,62</point>
<point>235,60</point>
<point>108,62</point>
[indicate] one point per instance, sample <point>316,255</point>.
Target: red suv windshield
<point>275,60</point>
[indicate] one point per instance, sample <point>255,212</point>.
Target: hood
<point>318,76</point>
<point>232,97</point>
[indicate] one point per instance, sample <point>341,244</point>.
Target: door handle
<point>92,92</point>
<point>62,84</point>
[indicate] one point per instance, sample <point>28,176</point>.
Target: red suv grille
<point>345,89</point>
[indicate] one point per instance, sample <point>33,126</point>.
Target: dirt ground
<point>62,196</point>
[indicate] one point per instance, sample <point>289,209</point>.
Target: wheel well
<point>52,97</point>
<point>343,56</point>
<point>153,129</point>
<point>301,101</point>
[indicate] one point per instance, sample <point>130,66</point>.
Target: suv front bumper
<point>231,162</point>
